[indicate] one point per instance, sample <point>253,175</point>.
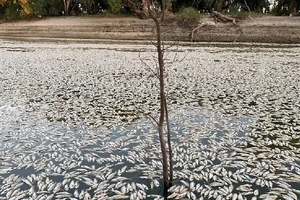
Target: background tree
<point>46,7</point>
<point>11,9</point>
<point>2,10</point>
<point>145,5</point>
<point>219,5</point>
<point>257,5</point>
<point>67,4</point>
<point>15,9</point>
<point>295,7</point>
<point>26,9</point>
<point>115,6</point>
<point>91,6</point>
<point>287,7</point>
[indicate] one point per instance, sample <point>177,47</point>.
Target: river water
<point>74,121</point>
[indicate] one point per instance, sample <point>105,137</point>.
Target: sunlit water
<point>74,126</point>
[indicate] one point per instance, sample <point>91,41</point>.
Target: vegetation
<point>46,8</point>
<point>241,15</point>
<point>188,16</point>
<point>24,8</point>
<point>13,9</point>
<point>287,7</point>
<point>115,6</point>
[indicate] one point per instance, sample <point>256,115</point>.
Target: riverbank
<point>268,29</point>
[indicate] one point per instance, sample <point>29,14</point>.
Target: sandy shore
<point>96,29</point>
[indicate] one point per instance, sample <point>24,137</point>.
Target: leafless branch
<point>156,65</point>
<point>183,58</point>
<point>148,116</point>
<point>149,67</point>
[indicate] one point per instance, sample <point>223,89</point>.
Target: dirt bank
<point>97,29</point>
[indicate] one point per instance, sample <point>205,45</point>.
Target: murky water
<point>73,125</point>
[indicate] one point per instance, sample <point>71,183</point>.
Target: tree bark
<point>195,29</point>
<point>294,7</point>
<point>145,5</point>
<point>246,4</point>
<point>67,6</point>
<point>163,9</point>
<point>169,145</point>
<point>162,105</point>
<point>223,18</point>
<point>154,13</point>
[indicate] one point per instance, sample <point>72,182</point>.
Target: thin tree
<point>145,5</point>
<point>67,4</point>
<point>246,4</point>
<point>295,6</point>
<point>157,15</point>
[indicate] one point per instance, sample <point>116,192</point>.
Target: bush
<point>12,10</point>
<point>188,16</point>
<point>2,11</point>
<point>46,7</point>
<point>115,6</point>
<point>240,15</point>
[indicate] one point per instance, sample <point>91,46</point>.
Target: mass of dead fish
<point>74,125</point>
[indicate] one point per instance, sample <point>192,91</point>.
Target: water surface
<point>74,122</point>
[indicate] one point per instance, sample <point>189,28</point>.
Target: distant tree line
<point>279,7</point>
<point>23,8</point>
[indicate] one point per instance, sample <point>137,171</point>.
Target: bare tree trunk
<point>145,5</point>
<point>163,9</point>
<point>162,105</point>
<point>154,13</point>
<point>67,6</point>
<point>246,4</point>
<point>195,29</point>
<point>219,16</point>
<point>169,144</point>
<point>294,7</point>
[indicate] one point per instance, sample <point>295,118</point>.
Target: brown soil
<point>97,29</point>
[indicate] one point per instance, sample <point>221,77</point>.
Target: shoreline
<point>128,45</point>
<point>269,30</point>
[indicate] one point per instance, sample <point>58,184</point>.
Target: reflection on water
<point>77,132</point>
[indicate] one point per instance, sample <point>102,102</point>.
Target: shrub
<point>115,6</point>
<point>236,13</point>
<point>2,11</point>
<point>241,15</point>
<point>46,8</point>
<point>12,10</point>
<point>188,16</point>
